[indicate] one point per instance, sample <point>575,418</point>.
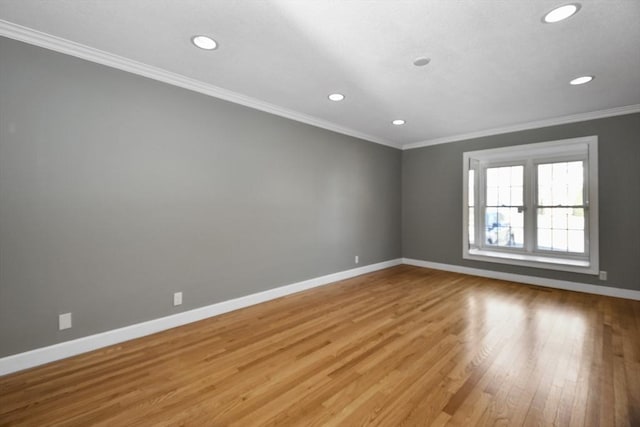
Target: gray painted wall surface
<point>432,199</point>
<point>116,191</point>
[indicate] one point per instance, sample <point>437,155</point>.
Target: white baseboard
<point>40,356</point>
<point>531,280</point>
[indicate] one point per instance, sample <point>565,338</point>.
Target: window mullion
<point>530,200</point>
<point>477,206</point>
<point>480,204</point>
<point>586,201</point>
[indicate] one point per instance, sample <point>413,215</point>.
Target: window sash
<point>481,204</point>
<point>584,205</point>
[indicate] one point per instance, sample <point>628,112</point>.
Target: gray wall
<point>432,199</point>
<point>116,191</point>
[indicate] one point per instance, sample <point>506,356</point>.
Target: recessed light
<point>204,42</point>
<point>398,122</point>
<point>561,13</point>
<point>581,80</point>
<point>336,97</point>
<point>421,61</point>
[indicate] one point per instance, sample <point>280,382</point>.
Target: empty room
<point>319,213</point>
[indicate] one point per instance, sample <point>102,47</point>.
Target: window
<point>533,205</point>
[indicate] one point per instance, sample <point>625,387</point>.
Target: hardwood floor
<point>400,347</point>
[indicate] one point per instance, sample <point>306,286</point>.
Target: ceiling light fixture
<point>561,13</point>
<point>398,122</point>
<point>204,42</point>
<point>336,97</point>
<point>421,61</point>
<point>581,80</point>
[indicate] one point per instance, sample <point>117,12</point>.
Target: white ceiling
<point>494,63</point>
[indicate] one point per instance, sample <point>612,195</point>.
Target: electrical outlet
<point>357,260</point>
<point>64,321</point>
<point>177,298</point>
<point>603,275</point>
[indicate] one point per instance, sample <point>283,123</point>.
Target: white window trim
<point>537,152</point>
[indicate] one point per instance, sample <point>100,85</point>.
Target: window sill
<point>535,261</point>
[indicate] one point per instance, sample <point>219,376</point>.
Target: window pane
<point>512,227</point>
<point>516,196</point>
<point>504,176</point>
<point>516,176</point>
<point>544,239</point>
<point>576,219</point>
<point>544,218</point>
<point>559,218</point>
<point>472,228</point>
<point>575,174</point>
<point>559,193</point>
<point>492,177</point>
<point>561,229</point>
<point>576,241</point>
<point>559,240</point>
<point>504,186</point>
<point>544,195</point>
<point>492,196</point>
<point>471,209</point>
<point>504,227</point>
<point>472,180</point>
<point>504,196</point>
<point>518,237</point>
<point>561,184</point>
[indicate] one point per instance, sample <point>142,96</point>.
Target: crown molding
<point>600,114</point>
<point>68,47</point>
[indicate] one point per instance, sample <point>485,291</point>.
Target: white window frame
<point>529,155</point>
